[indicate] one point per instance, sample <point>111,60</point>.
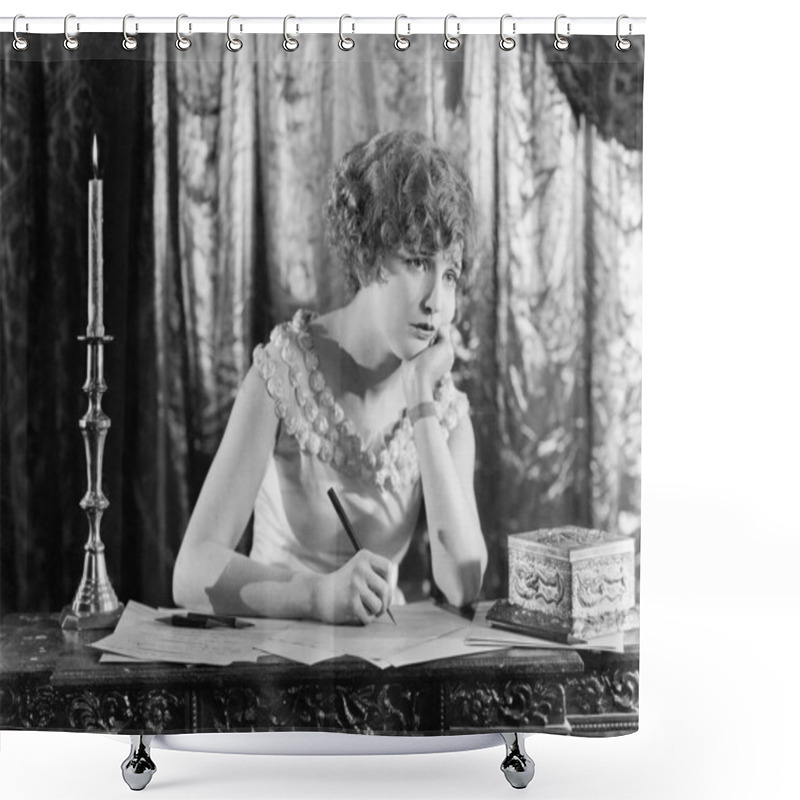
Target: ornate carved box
<point>568,583</point>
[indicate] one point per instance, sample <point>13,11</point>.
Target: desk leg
<point>138,768</point>
<point>517,766</point>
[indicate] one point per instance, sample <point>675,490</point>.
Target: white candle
<point>95,250</point>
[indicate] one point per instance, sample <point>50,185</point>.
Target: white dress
<point>376,477</point>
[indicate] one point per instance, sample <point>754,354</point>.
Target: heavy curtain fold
<point>215,168</point>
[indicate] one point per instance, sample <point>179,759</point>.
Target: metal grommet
<point>128,42</point>
<point>622,44</point>
<point>451,42</point>
<point>561,42</point>
<point>70,42</point>
<point>345,42</point>
<point>506,42</point>
<point>233,44</point>
<point>400,42</point>
<point>290,44</point>
<point>181,42</point>
<point>19,42</point>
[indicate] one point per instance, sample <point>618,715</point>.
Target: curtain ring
<point>70,42</point>
<point>19,42</point>
<point>506,42</point>
<point>128,42</point>
<point>451,42</point>
<point>233,44</point>
<point>345,42</point>
<point>290,44</point>
<point>181,42</point>
<point>400,42</point>
<point>623,44</point>
<point>561,42</point>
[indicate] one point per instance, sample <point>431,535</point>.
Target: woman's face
<point>418,297</point>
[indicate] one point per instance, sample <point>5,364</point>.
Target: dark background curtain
<point>215,169</point>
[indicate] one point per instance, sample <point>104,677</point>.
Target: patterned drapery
<point>215,176</point>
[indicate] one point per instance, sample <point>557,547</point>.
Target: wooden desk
<point>50,680</point>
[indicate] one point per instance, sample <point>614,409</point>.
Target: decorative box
<point>568,584</point>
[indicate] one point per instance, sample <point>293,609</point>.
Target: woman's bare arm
<point>208,572</point>
<point>458,550</point>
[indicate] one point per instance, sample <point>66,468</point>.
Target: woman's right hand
<point>356,593</point>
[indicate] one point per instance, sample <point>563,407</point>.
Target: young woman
<point>360,399</point>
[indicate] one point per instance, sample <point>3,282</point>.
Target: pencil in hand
<point>351,534</point>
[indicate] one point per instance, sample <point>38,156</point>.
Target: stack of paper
<point>139,636</point>
<point>423,632</point>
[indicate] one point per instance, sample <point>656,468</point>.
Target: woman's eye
<point>451,277</point>
<point>417,263</point>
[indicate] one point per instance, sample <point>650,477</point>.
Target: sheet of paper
<point>379,641</point>
<point>113,658</point>
<point>448,646</point>
<point>138,635</point>
<point>611,643</point>
<point>301,653</point>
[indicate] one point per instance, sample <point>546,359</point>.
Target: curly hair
<point>397,189</point>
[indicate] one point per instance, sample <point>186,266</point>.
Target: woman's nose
<point>433,300</point>
<point>433,296</point>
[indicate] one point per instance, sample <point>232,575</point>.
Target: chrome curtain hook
<point>451,42</point>
<point>233,44</point>
<point>128,42</point>
<point>622,44</point>
<point>290,44</point>
<point>181,41</point>
<point>19,43</point>
<point>506,42</point>
<point>561,42</point>
<point>345,42</point>
<point>70,42</point>
<point>400,42</point>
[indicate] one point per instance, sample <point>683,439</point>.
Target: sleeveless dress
<point>317,447</point>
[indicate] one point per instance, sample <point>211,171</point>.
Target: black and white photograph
<point>322,402</point>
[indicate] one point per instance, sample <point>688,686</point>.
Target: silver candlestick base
<point>95,604</point>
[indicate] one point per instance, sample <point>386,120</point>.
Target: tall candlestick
<point>95,604</point>
<point>95,327</point>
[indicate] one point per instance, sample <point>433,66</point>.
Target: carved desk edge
<point>586,694</point>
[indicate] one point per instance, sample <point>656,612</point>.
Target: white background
<point>720,601</point>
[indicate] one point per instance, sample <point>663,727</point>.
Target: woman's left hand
<point>421,373</point>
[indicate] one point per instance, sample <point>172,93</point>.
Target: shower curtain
<point>215,169</point>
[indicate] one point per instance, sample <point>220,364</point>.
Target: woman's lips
<point>423,331</point>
